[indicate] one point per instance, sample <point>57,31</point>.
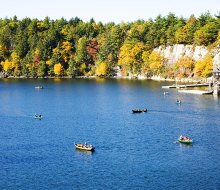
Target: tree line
<point>40,48</point>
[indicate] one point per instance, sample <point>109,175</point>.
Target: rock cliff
<point>216,62</point>
<point>173,53</point>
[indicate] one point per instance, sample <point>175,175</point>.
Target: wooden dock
<point>202,92</point>
<point>185,85</point>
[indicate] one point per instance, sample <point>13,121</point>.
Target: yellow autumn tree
<point>101,69</point>
<point>7,65</point>
<point>156,63</point>
<point>130,57</point>
<point>136,53</point>
<point>42,26</point>
<point>16,63</point>
<point>203,67</point>
<point>146,64</point>
<point>82,68</point>
<point>66,50</point>
<point>58,69</point>
<point>125,59</point>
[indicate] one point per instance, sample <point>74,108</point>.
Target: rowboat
<point>139,110</point>
<point>178,101</point>
<point>39,87</point>
<point>185,140</point>
<point>86,147</point>
<point>38,116</point>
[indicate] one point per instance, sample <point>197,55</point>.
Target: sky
<point>106,10</point>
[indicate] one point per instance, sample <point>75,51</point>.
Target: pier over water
<point>185,85</point>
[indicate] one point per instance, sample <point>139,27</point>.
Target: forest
<point>73,48</point>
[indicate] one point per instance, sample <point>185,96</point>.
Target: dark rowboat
<point>139,110</point>
<point>178,101</point>
<point>86,147</point>
<point>38,116</point>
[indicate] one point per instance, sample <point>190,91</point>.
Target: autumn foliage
<point>58,69</point>
<point>38,48</point>
<point>203,67</point>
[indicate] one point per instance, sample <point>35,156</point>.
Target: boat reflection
<point>185,145</point>
<point>83,152</point>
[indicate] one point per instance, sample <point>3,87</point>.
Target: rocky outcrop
<point>173,53</point>
<point>216,62</point>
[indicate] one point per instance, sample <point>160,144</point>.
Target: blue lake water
<point>133,151</point>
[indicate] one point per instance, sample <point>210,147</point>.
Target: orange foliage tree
<point>184,67</point>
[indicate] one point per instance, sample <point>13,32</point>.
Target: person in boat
<point>38,115</point>
<point>181,137</point>
<point>184,138</point>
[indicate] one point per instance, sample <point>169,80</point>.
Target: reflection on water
<point>57,80</point>
<point>84,152</point>
<point>100,80</point>
<point>182,145</point>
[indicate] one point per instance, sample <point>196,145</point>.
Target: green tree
<point>81,57</point>
<point>207,34</point>
<point>185,34</point>
<point>109,45</point>
<point>72,69</point>
<point>55,59</point>
<point>157,33</point>
<point>42,69</point>
<point>27,65</point>
<point>22,46</point>
<point>173,24</point>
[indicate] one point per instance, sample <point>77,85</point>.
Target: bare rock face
<point>173,53</point>
<point>216,62</point>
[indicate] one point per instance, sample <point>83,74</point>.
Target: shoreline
<point>155,78</point>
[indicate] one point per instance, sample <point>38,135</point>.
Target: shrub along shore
<point>155,78</point>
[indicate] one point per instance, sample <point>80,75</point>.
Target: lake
<point>133,151</point>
